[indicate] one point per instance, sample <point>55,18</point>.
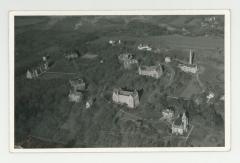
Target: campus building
<point>152,71</point>
<point>131,98</point>
<point>190,67</point>
<point>180,125</point>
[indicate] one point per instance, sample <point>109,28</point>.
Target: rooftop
<point>125,92</point>
<point>76,81</point>
<point>151,68</point>
<point>178,121</point>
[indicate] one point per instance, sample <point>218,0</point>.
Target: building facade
<point>152,71</point>
<point>190,67</point>
<point>131,98</point>
<point>180,125</point>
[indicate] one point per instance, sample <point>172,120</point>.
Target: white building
<point>29,75</point>
<point>89,103</point>
<point>130,98</point>
<point>180,125</point>
<point>168,114</point>
<point>167,59</point>
<point>44,58</point>
<point>75,96</point>
<point>71,56</point>
<point>190,67</point>
<point>144,47</point>
<point>152,71</point>
<point>210,96</point>
<point>114,42</point>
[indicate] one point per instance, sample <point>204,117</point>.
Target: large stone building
<point>131,98</point>
<point>180,125</point>
<point>152,71</point>
<point>190,67</point>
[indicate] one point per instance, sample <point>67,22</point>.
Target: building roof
<point>168,111</point>
<point>76,81</point>
<point>151,68</point>
<point>76,93</point>
<point>178,121</point>
<point>188,65</point>
<point>125,92</point>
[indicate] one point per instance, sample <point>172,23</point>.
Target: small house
<point>144,47</point>
<point>168,114</point>
<point>75,96</point>
<point>89,103</point>
<point>167,59</point>
<point>77,84</point>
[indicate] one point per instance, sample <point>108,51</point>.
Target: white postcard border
<point>227,33</point>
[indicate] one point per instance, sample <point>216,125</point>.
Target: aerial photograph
<point>111,81</point>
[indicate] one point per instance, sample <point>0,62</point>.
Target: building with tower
<point>190,67</point>
<point>180,125</point>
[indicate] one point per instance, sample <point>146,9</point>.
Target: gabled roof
<point>151,68</point>
<point>178,121</point>
<point>125,92</point>
<point>76,81</point>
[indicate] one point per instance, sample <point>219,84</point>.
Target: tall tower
<point>190,57</point>
<point>185,122</point>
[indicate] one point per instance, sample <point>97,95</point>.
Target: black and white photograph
<point>120,81</point>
